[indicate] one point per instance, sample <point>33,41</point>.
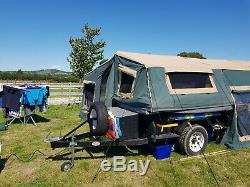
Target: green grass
<point>231,169</point>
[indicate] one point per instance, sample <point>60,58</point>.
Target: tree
<point>19,71</point>
<point>86,51</point>
<point>19,74</point>
<point>191,55</point>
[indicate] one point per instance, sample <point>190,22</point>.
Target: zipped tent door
<point>103,86</point>
<point>242,100</point>
<point>89,94</point>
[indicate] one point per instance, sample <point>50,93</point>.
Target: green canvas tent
<point>149,84</point>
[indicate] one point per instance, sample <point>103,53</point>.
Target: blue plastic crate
<point>162,151</point>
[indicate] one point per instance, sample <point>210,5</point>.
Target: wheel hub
<point>93,118</point>
<point>196,142</point>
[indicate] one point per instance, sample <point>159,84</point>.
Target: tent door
<point>89,94</point>
<point>242,101</point>
<point>103,85</point>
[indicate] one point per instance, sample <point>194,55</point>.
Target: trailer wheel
<point>98,119</point>
<point>193,140</point>
<point>66,166</point>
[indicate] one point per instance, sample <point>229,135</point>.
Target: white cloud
<point>55,67</point>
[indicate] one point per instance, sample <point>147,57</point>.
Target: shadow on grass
<point>2,164</point>
<point>37,119</point>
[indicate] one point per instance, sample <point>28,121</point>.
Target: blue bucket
<point>158,151</point>
<point>162,151</point>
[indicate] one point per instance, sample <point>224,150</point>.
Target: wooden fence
<point>65,93</point>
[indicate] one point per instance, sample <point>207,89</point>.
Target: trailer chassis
<point>79,141</point>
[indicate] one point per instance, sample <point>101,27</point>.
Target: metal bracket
<point>72,145</point>
<point>74,130</point>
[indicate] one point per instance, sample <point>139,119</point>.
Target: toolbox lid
<point>120,112</point>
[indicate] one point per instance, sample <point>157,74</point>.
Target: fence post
<point>81,91</point>
<point>69,91</point>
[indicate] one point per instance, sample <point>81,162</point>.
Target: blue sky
<point>34,34</point>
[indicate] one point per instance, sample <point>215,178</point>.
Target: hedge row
<point>37,77</point>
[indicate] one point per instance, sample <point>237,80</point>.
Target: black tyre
<point>98,119</point>
<point>193,140</point>
<point>66,166</point>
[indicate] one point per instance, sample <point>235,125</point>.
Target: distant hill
<point>45,72</point>
<point>50,71</point>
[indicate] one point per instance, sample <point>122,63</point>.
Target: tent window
<point>126,82</point>
<point>190,83</point>
<point>190,80</point>
<point>89,93</point>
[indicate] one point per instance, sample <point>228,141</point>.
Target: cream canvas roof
<point>183,64</point>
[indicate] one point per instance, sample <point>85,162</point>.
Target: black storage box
<point>129,122</point>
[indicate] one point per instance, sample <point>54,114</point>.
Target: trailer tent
<point>149,84</point>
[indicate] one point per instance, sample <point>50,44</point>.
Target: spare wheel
<point>98,119</point>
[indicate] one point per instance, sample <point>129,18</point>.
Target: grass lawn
<point>230,169</point>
